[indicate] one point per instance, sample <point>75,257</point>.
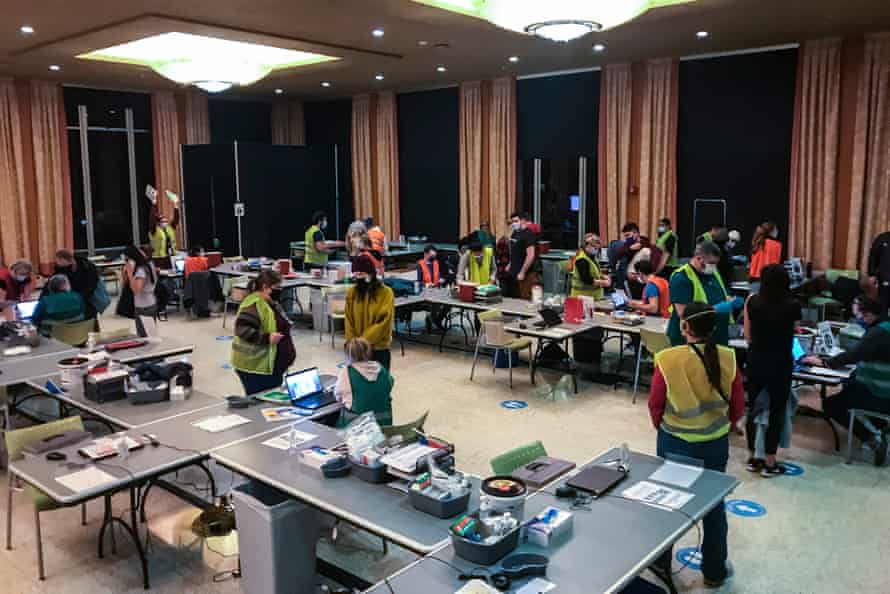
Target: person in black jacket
<point>82,275</point>
<point>879,268</point>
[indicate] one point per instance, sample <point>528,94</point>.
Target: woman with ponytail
<point>697,398</point>
<point>766,249</point>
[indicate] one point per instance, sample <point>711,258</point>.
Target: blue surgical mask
<point>323,225</point>
<point>661,229</point>
<point>709,269</point>
<point>515,226</point>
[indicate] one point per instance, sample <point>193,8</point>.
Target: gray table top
<point>121,412</point>
<point>609,545</point>
<point>154,349</point>
<point>376,508</point>
<point>39,362</point>
<point>508,306</point>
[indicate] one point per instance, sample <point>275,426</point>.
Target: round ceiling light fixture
<point>26,29</point>
<point>563,30</point>
<point>325,84</point>
<point>213,86</point>
<point>599,47</point>
<point>55,67</point>
<point>379,77</point>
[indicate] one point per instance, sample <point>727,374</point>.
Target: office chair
<point>507,462</point>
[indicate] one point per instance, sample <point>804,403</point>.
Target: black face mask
<point>276,295</point>
<point>64,269</point>
<point>361,283</point>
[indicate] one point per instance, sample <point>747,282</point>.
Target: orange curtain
<point>614,147</point>
<point>375,160</point>
<point>13,233</point>
<point>473,181</point>
<point>166,140</point>
<point>658,144</point>
<point>35,185</point>
<point>814,152</point>
<point>487,136</point>
<point>386,148</point>
<point>870,200</point>
<point>197,119</point>
<point>288,126</point>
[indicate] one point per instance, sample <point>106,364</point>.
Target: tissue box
<point>548,527</point>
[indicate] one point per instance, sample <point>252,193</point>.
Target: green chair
<point>493,335</point>
<point>506,463</point>
<point>825,301</point>
<point>653,341</point>
<point>74,333</point>
<point>234,289</point>
<point>16,441</point>
<point>406,431</point>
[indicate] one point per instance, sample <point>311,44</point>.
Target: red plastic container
<point>466,292</point>
<point>574,310</point>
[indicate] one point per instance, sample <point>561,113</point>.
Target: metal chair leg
<point>510,365</point>
<point>10,489</point>
<point>531,363</point>
<point>83,514</point>
<point>40,569</point>
<point>475,358</point>
<point>637,373</point>
<point>849,459</point>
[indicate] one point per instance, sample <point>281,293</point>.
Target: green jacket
<point>58,308</point>
<point>368,396</point>
<point>251,350</point>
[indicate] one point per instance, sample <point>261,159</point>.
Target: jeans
<point>779,389</point>
<point>714,454</point>
<point>855,395</point>
<point>255,383</point>
<point>383,356</point>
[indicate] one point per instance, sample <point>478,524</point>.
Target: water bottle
<point>625,457</point>
<point>123,450</point>
<point>292,440</point>
<point>91,342</point>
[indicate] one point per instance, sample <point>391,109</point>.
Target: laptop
<point>596,479</point>
<point>550,319</point>
<point>24,310</point>
<point>306,391</point>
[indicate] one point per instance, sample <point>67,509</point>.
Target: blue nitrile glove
<point>724,307</point>
<point>738,303</point>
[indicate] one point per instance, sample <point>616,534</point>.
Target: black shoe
<point>754,464</point>
<point>881,452</point>
<point>771,471</point>
<point>730,571</point>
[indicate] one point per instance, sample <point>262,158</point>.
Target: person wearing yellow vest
<point>699,281</point>
<point>162,231</point>
<point>669,244</point>
<point>477,265</point>
<point>318,249</point>
<point>587,280</point>
<point>656,299</point>
<point>697,398</point>
<point>370,309</point>
<point>428,273</point>
<point>262,348</point>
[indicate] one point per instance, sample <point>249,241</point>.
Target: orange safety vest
<point>429,279</point>
<point>770,253</point>
<point>664,295</point>
<point>378,262</point>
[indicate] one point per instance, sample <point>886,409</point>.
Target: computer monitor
<point>24,310</point>
<point>797,350</point>
<point>303,383</point>
<point>179,265</point>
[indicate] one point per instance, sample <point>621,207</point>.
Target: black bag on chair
<point>126,307</point>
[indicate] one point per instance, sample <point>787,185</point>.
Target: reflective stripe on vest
<point>313,256</point>
<point>698,290</point>
<point>579,289</point>
<point>662,241</point>
<point>695,411</point>
<point>428,278</point>
<point>480,273</point>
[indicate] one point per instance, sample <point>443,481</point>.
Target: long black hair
<point>700,320</point>
<point>267,278</point>
<point>775,285</point>
<point>131,252</point>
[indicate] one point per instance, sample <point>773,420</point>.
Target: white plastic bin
<point>276,540</point>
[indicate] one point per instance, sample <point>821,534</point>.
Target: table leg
<point>823,394</point>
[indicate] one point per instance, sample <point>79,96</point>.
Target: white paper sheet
<point>282,442</point>
<point>220,423</point>
<point>405,459</point>
<point>536,586</point>
<point>653,494</point>
<point>88,478</point>
<point>681,475</point>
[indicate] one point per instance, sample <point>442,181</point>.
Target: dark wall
<point>429,174</point>
<point>209,186</point>
<point>244,121</point>
<point>558,116</point>
<point>330,123</point>
<point>734,139</point>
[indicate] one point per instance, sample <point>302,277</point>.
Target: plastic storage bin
<point>484,554</point>
<point>438,508</point>
<point>376,475</point>
<point>276,541</point>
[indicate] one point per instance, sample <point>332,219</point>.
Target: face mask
<point>515,226</point>
<point>323,225</point>
<point>361,283</point>
<point>661,229</point>
<point>275,295</point>
<point>163,225</point>
<point>21,278</point>
<point>775,233</point>
<point>730,244</point>
<point>709,268</point>
<point>64,269</point>
<point>629,240</point>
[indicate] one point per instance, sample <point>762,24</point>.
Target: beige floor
<point>825,532</point>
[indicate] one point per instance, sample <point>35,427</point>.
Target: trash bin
<point>276,540</point>
<point>319,309</point>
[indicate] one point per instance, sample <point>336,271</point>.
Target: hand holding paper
<point>173,197</point>
<point>151,194</point>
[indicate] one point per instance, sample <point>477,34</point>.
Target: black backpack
<point>162,294</point>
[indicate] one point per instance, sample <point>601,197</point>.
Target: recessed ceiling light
<point>325,84</point>
<point>441,69</point>
<point>701,34</point>
<point>55,67</point>
<point>26,29</point>
<point>378,33</point>
<point>423,43</point>
<point>379,77</point>
<point>599,47</point>
<point>279,91</point>
<point>513,59</point>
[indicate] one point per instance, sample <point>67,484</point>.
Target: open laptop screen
<point>303,383</point>
<point>25,310</point>
<point>797,350</point>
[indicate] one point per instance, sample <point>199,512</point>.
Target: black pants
<point>779,389</point>
<point>383,356</point>
<point>884,294</point>
<point>855,395</point>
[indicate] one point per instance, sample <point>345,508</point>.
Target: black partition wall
<point>279,186</point>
